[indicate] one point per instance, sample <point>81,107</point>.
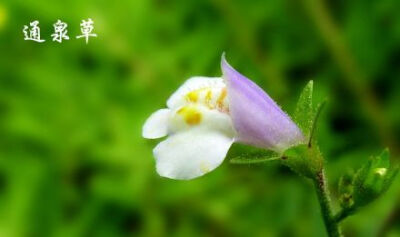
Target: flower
<point>206,115</point>
<point>198,126</point>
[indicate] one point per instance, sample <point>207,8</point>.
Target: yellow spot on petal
<point>190,114</point>
<point>208,98</point>
<point>220,101</point>
<point>192,96</point>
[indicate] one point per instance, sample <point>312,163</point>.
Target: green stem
<point>331,225</point>
<point>343,214</point>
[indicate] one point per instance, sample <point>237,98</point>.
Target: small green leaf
<point>304,112</point>
<point>251,160</point>
<point>315,121</point>
<point>244,154</point>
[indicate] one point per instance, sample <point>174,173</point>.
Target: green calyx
<point>304,160</point>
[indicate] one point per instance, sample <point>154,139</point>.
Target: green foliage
<point>318,110</point>
<point>243,154</point>
<point>251,160</point>
<point>304,113</point>
<point>373,179</point>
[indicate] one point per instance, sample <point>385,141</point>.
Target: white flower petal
<point>156,125</point>
<point>194,116</point>
<point>177,99</point>
<point>192,153</point>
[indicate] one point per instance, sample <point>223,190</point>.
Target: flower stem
<point>331,225</point>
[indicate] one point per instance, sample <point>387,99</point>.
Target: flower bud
<point>373,179</point>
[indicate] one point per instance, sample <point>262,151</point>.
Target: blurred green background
<point>72,160</point>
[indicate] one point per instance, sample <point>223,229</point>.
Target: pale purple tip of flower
<point>257,119</point>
